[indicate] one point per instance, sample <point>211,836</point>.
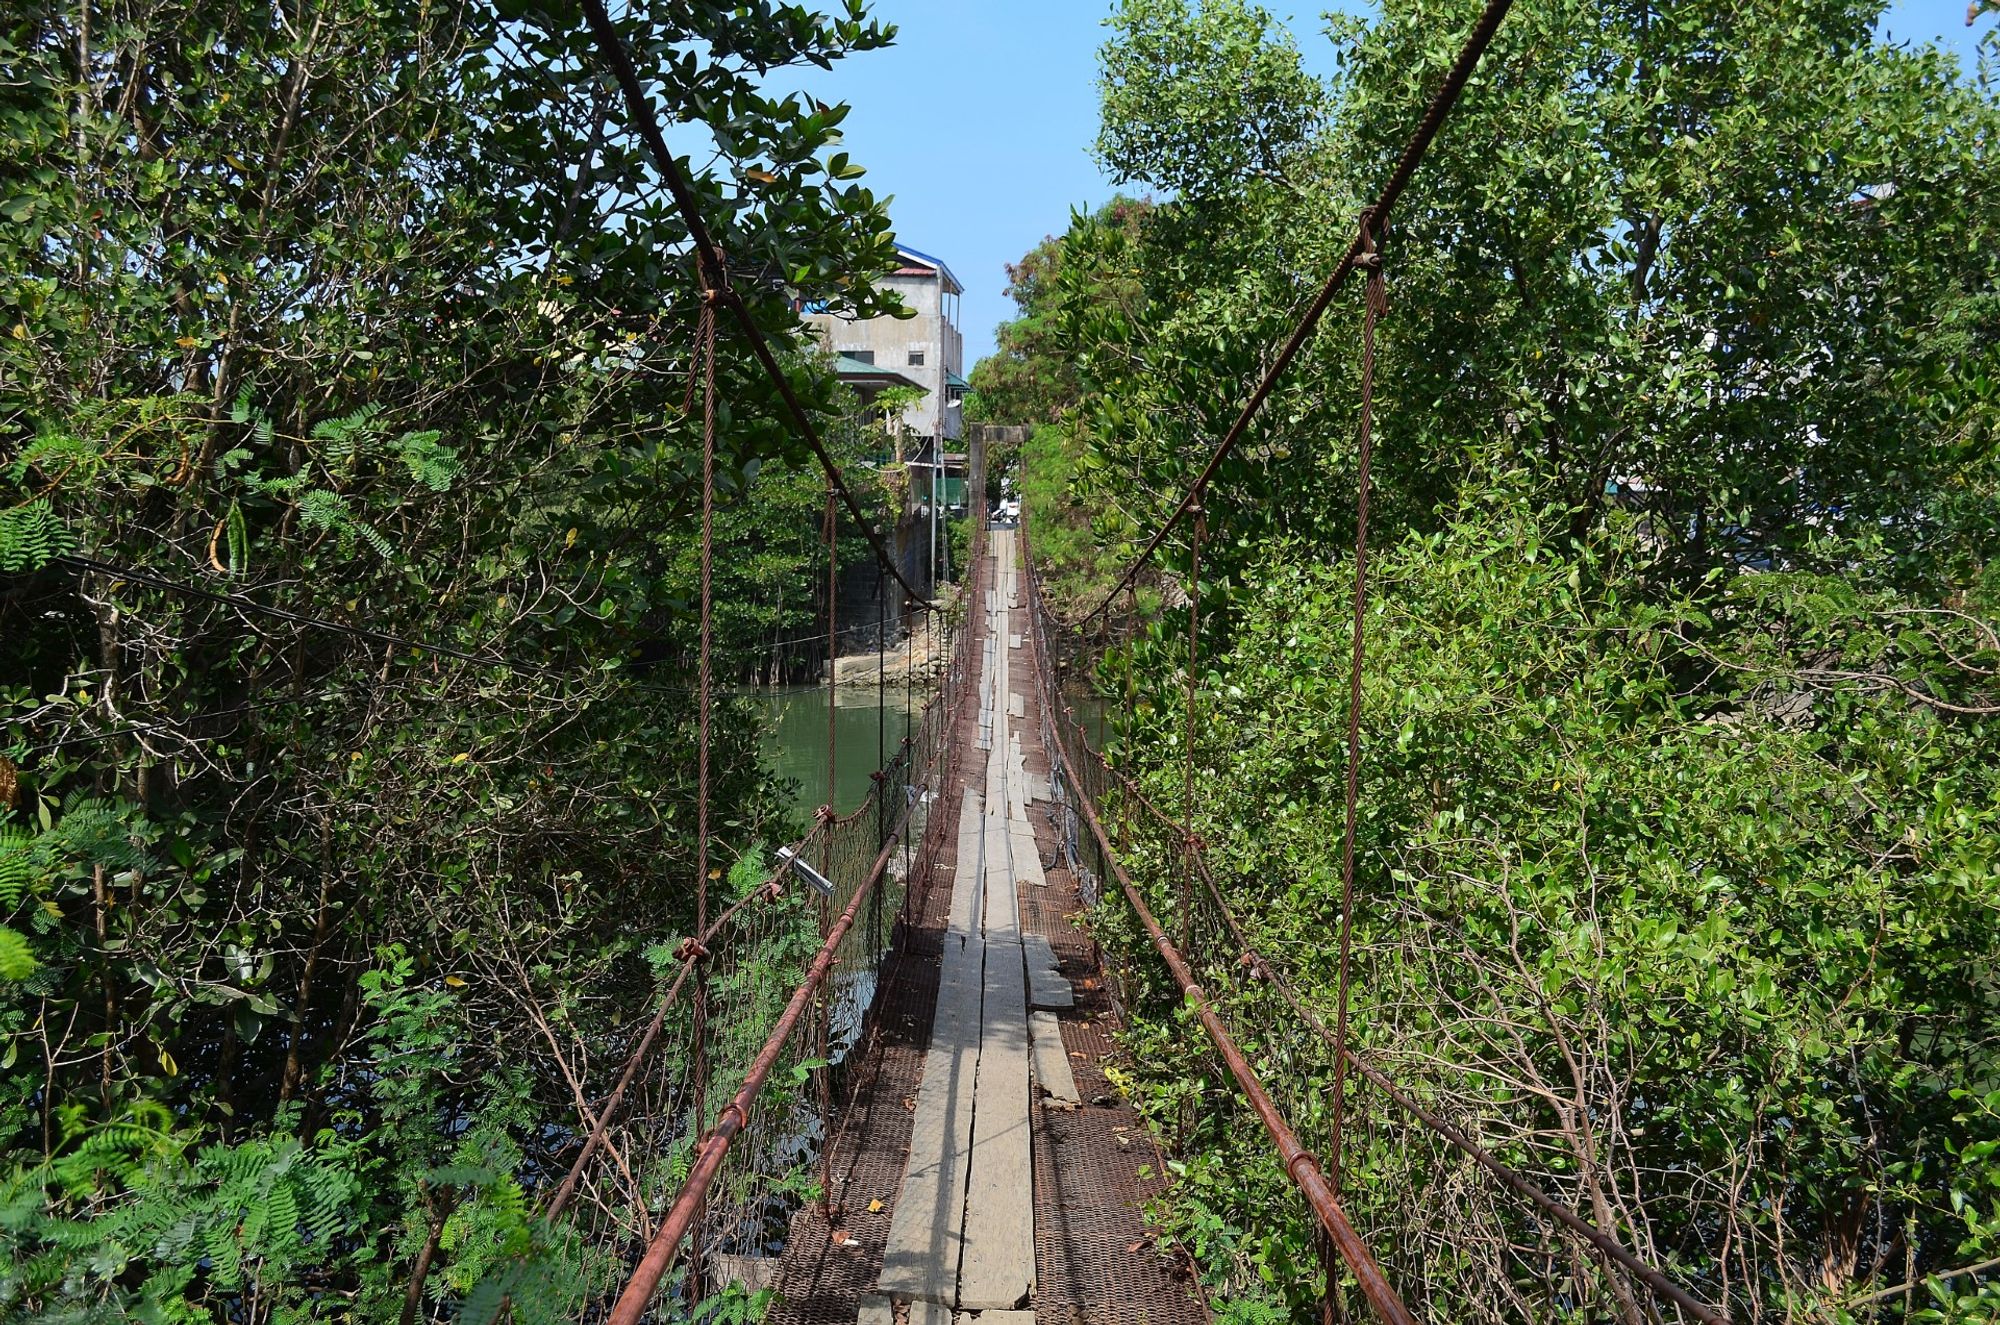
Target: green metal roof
<point>953,379</point>
<point>847,366</point>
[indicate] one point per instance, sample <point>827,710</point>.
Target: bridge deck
<point>984,1164</point>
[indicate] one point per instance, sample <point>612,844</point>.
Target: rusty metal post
<point>823,1012</point>
<point>1187,753</point>
<point>705,703</point>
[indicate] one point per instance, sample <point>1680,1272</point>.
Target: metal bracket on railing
<point>818,882</point>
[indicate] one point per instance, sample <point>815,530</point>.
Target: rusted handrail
<point>1300,1164</point>
<point>659,1257</point>
<point>1656,1281</point>
<point>660,1252</point>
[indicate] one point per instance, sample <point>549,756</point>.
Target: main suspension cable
<point>715,273</point>
<point>1376,300</point>
<point>1399,179</point>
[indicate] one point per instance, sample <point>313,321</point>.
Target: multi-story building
<point>926,352</point>
<point>927,349</point>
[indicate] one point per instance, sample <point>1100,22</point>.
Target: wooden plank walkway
<point>969,1218</point>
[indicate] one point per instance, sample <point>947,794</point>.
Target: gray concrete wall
<point>891,340</point>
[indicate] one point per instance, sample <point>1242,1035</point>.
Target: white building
<point>927,349</point>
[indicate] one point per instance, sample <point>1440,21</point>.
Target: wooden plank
<point>997,1265</point>
<point>920,1260</point>
<point>1052,1069</point>
<point>1046,986</point>
<point>969,874</point>
<point>1003,898</point>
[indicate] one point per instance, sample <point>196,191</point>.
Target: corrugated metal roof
<point>848,367</point>
<point>938,263</point>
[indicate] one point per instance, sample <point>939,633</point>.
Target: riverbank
<point>922,656</point>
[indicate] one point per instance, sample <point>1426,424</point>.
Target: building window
<point>860,356</point>
<point>916,358</point>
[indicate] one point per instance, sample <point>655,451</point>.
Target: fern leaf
<point>434,465</point>
<point>17,869</point>
<point>281,1214</point>
<point>17,959</point>
<point>346,436</point>
<point>482,1304</point>
<point>374,538</point>
<point>31,535</point>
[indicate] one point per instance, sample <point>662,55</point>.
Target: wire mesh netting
<point>1460,1222</point>
<point>736,1005</point>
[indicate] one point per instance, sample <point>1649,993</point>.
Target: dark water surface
<point>864,730</point>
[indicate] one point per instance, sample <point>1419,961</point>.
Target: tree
<point>1200,100</point>
<point>362,726</point>
<point>1028,379</point>
<point>1679,660</point>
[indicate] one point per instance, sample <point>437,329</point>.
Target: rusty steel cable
<point>715,272</point>
<point>1656,1281</point>
<point>700,1026</point>
<point>832,531</point>
<point>707,604</point>
<point>662,1247</point>
<point>1187,754</point>
<point>823,1077</point>
<point>1376,301</point>
<point>1412,156</point>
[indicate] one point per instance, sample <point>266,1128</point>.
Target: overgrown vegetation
<point>1032,379</point>
<point>1677,880</point>
<point>348,489</point>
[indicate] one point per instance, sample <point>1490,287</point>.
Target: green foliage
<point>1202,99</point>
<point>17,958</point>
<point>735,1305</point>
<point>121,1214</point>
<point>312,308</point>
<point>1743,920</point>
<point>1677,836</point>
<point>1069,537</point>
<point>30,534</point>
<point>1030,378</point>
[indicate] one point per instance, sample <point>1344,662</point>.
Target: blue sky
<point>979,121</point>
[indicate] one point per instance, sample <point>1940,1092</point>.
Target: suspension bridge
<point>883,1087</point>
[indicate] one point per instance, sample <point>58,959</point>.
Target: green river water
<point>795,739</point>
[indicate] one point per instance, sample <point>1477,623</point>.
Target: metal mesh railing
<point>708,1133</point>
